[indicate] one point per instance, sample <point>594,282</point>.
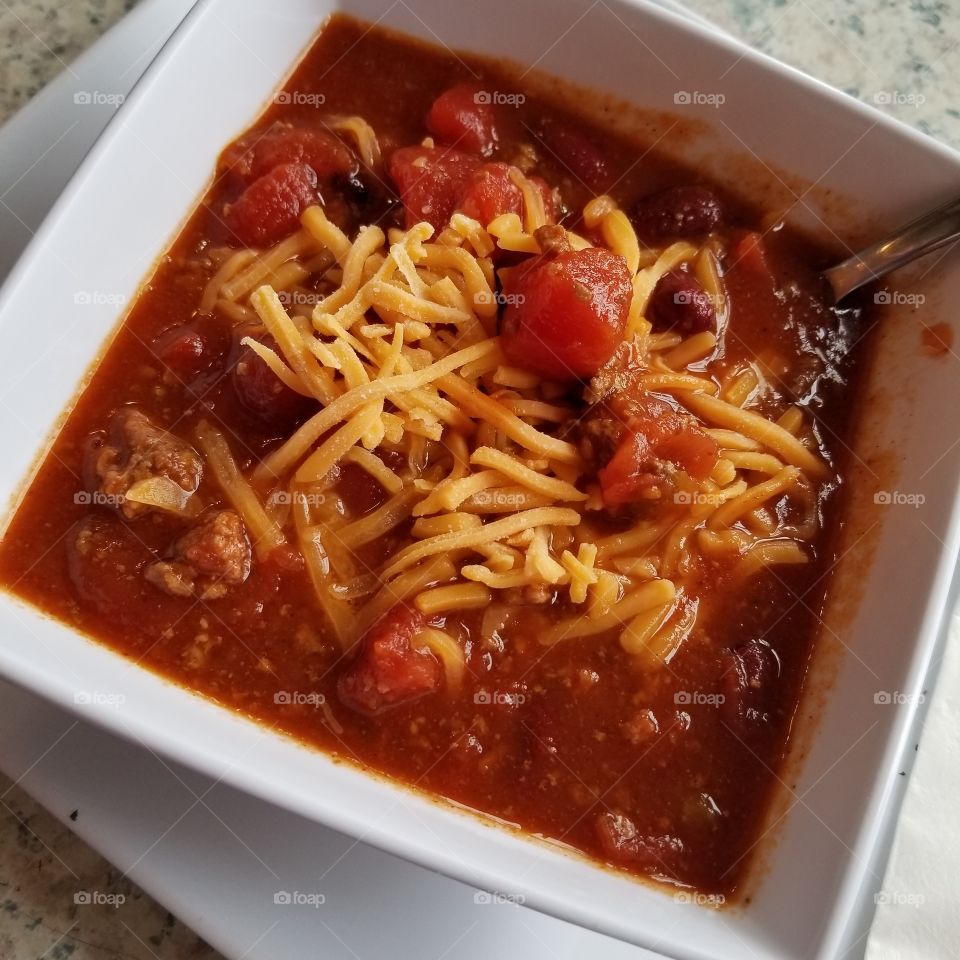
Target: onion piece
<point>353,589</point>
<point>165,494</point>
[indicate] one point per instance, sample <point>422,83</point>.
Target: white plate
<point>832,837</point>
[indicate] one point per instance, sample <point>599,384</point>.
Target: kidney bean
<point>679,303</point>
<point>677,213</point>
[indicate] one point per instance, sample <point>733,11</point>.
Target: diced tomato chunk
<point>324,153</point>
<point>567,312</point>
<point>755,298</point>
<point>750,255</point>
<point>250,157</point>
<point>269,209</point>
<point>691,450</point>
<point>629,476</point>
<point>573,151</point>
<point>434,182</point>
<point>388,670</point>
<point>655,434</point>
<point>431,181</point>
<point>490,192</point>
<point>463,117</point>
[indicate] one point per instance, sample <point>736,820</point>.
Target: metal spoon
<point>929,232</point>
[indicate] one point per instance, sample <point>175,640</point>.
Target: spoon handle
<point>929,232</point>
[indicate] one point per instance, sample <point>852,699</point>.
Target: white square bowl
<point>889,596</point>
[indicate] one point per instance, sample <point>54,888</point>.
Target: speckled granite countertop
<point>900,56</point>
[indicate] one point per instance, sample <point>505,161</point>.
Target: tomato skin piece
<point>269,209</point>
<point>750,255</point>
<point>463,117</point>
<point>430,181</point>
<point>750,672</point>
<point>660,855</point>
<point>387,670</point>
<point>567,313</point>
<point>324,153</point>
